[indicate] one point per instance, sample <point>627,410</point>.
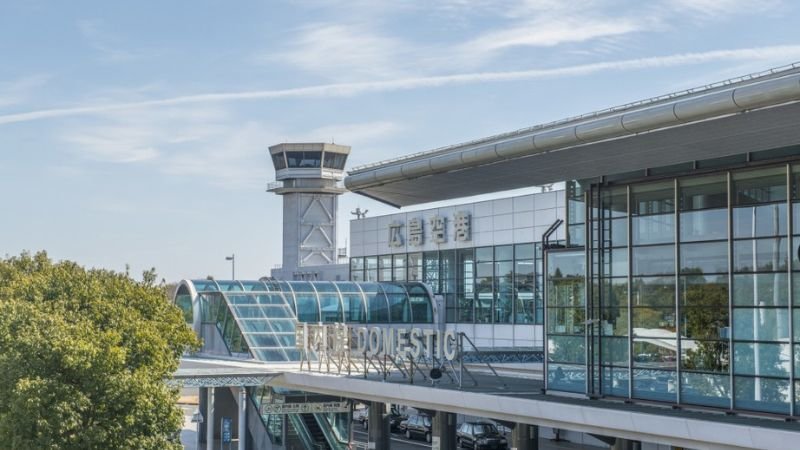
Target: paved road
<point>398,441</point>
<point>189,431</point>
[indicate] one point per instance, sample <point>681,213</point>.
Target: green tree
<point>83,358</point>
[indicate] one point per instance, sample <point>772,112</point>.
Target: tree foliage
<point>83,358</point>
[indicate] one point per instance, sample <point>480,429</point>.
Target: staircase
<point>315,431</point>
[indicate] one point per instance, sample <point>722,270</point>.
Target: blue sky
<point>137,132</point>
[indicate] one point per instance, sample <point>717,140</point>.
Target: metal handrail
<point>463,336</point>
<point>302,432</point>
<point>614,109</point>
<point>330,435</point>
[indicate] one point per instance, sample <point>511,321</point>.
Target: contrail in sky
<point>784,52</point>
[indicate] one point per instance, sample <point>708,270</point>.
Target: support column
<point>524,437</point>
<point>444,431</point>
<point>209,419</point>
<point>242,418</point>
<point>202,393</point>
<point>378,423</point>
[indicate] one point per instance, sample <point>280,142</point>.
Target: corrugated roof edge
<point>641,104</point>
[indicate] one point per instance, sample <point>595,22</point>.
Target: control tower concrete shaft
<point>308,176</point>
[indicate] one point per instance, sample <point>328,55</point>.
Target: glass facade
<point>566,321</point>
<point>691,294</point>
<point>260,317</point>
<point>496,284</point>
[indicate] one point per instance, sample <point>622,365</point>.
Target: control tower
<point>308,176</point>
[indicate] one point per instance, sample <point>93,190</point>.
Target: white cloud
<point>135,136</point>
<point>720,8</point>
<point>116,144</point>
<point>752,55</point>
<point>109,46</point>
<point>342,52</point>
<point>354,134</point>
<point>231,158</point>
<point>19,90</point>
<point>551,32</point>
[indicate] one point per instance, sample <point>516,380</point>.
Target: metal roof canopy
<point>743,118</point>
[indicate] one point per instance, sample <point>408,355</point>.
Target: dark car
<point>480,435</point>
<point>419,426</point>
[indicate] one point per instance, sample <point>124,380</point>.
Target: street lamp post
<point>232,259</point>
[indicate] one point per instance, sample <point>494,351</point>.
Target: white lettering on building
<point>462,226</point>
<point>401,343</point>
<point>416,230</point>
<point>438,229</point>
<point>395,234</point>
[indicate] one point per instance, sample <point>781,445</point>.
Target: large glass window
<point>371,271</point>
<point>430,267</point>
<point>385,272</point>
<point>335,160</point>
<point>414,267</point>
<point>524,281</point>
<point>465,285</point>
<point>303,159</point>
<point>566,321</point>
<point>279,161</point>
<point>707,308</point>
<point>504,284</point>
<point>399,265</point>
<point>356,269</point>
<point>761,353</point>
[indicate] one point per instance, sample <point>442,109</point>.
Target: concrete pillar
<point>242,418</point>
<point>444,431</point>
<point>524,437</point>
<point>202,393</point>
<point>378,422</point>
<point>209,419</point>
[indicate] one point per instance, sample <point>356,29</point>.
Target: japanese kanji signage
<point>437,230</point>
<point>416,232</point>
<point>395,234</point>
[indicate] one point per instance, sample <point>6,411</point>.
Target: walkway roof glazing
<point>260,316</point>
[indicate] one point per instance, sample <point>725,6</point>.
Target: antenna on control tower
<point>359,213</point>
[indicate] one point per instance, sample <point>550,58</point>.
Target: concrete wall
<point>502,336</point>
<point>328,272</point>
<point>309,229</point>
<point>513,220</point>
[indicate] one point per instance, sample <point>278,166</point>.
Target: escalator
<point>315,431</point>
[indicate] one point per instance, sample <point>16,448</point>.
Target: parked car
<point>396,419</point>
<point>419,426</point>
<point>480,436</point>
<point>403,425</point>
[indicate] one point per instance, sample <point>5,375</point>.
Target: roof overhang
<point>745,117</point>
<point>309,147</point>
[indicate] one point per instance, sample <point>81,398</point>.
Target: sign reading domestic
<point>403,343</point>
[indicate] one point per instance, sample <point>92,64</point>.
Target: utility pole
<point>232,259</point>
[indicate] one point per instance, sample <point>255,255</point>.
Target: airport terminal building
<point>676,279</point>
<point>648,287</point>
